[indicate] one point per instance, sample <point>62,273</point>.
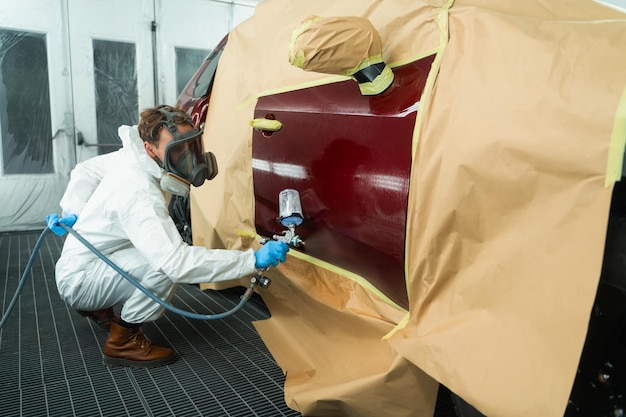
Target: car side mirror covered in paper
<point>344,46</point>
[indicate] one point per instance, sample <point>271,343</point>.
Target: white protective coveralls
<point>123,213</point>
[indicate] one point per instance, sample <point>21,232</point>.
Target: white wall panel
<point>70,28</point>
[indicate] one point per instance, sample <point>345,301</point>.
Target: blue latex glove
<point>270,253</point>
<point>52,220</point>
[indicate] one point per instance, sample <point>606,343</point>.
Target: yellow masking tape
<point>618,141</point>
<point>399,326</point>
<point>327,80</point>
<point>442,23</point>
<point>346,274</point>
<point>414,58</point>
<point>297,58</point>
<point>379,84</point>
<point>247,233</point>
<point>266,124</point>
<point>332,268</point>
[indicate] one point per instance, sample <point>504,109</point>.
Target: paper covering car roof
<point>519,139</point>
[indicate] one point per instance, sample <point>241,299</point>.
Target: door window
<point>206,78</point>
<point>115,78</point>
<point>188,60</point>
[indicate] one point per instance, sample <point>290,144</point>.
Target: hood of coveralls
<point>135,153</point>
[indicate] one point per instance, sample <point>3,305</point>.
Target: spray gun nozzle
<point>290,237</point>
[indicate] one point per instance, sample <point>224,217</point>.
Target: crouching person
<point>121,209</point>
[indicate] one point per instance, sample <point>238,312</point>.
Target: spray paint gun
<point>290,216</point>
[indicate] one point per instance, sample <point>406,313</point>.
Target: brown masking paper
<point>508,205</point>
<point>333,45</point>
<point>341,45</point>
<point>325,332</point>
<point>507,209</point>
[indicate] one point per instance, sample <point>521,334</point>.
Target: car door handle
<point>266,125</point>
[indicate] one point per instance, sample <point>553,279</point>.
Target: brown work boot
<point>102,318</point>
<point>130,347</point>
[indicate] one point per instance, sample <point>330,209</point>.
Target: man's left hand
<point>53,221</point>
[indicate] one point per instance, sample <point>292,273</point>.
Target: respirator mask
<point>185,162</point>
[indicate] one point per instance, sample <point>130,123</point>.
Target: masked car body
<point>454,224</point>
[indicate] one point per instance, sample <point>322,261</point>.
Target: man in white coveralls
<point>119,201</point>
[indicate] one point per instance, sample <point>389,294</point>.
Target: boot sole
<point>108,361</point>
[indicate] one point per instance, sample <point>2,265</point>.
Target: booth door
<point>36,133</point>
<point>112,69</point>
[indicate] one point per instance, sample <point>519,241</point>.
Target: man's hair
<point>152,117</point>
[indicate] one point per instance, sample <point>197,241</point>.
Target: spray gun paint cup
<point>290,209</point>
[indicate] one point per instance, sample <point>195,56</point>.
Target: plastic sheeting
<point>31,157</point>
<point>518,141</point>
<point>26,148</point>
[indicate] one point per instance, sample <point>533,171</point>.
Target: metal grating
<point>50,357</point>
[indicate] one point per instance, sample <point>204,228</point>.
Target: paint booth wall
<point>73,71</point>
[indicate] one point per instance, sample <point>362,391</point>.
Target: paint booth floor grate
<point>50,357</point>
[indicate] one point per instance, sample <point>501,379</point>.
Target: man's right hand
<point>270,254</point>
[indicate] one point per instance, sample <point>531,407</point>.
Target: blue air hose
<point>20,285</point>
<point>245,297</point>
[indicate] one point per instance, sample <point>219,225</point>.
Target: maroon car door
<point>349,157</point>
